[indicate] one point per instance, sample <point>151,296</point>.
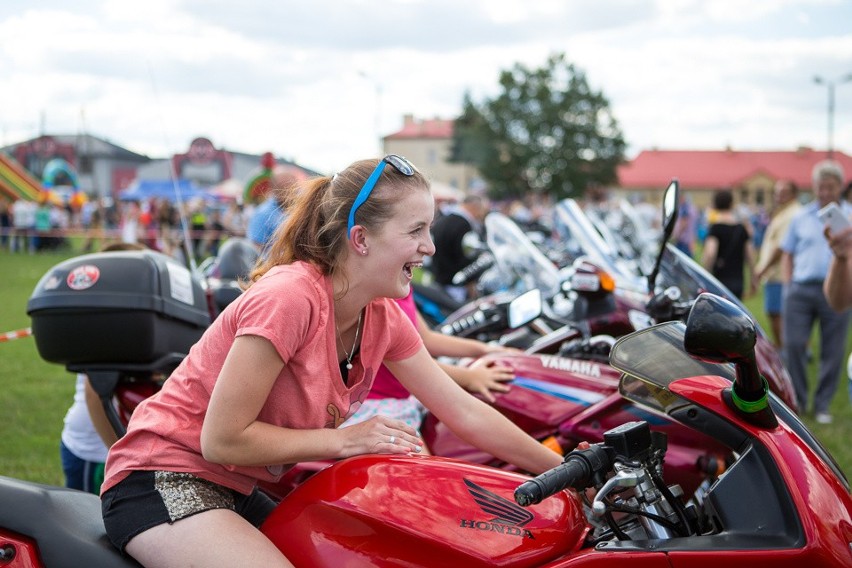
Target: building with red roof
<point>750,173</point>
<point>428,144</point>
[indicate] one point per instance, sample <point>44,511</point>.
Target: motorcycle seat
<point>65,523</point>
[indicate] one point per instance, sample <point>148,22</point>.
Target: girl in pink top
<point>282,367</point>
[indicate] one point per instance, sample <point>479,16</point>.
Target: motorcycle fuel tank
<point>371,511</point>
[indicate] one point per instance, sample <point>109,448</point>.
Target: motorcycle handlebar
<point>473,270</point>
<point>579,470</point>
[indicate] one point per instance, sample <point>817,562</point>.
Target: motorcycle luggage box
<point>128,307</point>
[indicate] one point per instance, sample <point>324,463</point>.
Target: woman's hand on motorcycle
<point>379,435</point>
<point>484,377</point>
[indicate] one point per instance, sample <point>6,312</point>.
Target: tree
<point>546,132</point>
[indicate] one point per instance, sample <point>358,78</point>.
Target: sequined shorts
<point>145,499</point>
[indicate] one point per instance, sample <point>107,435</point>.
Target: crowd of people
<point>31,227</point>
<point>171,226</point>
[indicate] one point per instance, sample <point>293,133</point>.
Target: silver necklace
<point>354,343</point>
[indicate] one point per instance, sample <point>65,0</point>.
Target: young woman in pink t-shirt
<point>282,367</point>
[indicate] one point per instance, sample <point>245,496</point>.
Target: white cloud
<point>309,80</point>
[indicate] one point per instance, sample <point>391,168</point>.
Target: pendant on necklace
<point>349,366</point>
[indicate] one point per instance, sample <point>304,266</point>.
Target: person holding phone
<point>805,262</point>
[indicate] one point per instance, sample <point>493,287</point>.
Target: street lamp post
<point>831,86</point>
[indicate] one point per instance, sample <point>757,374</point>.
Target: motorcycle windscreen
<point>653,358</point>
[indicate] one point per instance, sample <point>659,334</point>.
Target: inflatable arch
<point>55,167</point>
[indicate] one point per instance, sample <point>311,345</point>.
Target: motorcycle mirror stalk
<point>717,331</point>
<point>671,198</point>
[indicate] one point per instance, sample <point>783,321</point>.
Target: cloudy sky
<point>317,81</point>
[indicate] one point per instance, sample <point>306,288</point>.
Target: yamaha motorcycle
<point>783,501</point>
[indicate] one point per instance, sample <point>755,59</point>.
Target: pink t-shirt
<point>292,307</point>
<point>386,384</point>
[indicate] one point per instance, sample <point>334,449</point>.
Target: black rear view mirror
<point>671,199</point>
<point>718,331</point>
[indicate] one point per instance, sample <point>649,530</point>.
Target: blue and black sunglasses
<point>399,163</point>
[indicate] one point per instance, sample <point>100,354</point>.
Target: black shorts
<point>145,499</point>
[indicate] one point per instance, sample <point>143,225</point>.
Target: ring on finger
<point>393,439</point>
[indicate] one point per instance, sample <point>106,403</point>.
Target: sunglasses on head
<point>399,163</point>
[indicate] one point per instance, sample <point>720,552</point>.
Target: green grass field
<point>34,394</point>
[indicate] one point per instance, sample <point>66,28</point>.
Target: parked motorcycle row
<point>673,410</point>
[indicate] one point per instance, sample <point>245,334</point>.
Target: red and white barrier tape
<point>17,334</point>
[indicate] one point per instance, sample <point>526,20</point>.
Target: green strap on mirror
<point>751,407</point>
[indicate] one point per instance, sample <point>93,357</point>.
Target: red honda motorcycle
<point>782,502</point>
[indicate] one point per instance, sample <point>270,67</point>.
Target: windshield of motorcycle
<point>653,358</point>
<point>679,269</point>
<point>578,237</point>
<point>615,222</point>
<point>516,255</point>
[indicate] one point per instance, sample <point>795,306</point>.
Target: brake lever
<point>627,477</point>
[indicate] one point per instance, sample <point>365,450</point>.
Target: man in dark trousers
<point>448,232</point>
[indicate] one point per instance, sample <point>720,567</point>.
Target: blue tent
<point>143,190</point>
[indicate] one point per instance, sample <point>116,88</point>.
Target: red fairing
<point>823,504</point>
<point>131,394</point>
<point>18,551</point>
<point>383,511</point>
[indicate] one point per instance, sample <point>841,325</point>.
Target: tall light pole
<point>378,87</point>
<point>831,85</point>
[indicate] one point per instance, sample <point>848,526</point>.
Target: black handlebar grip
<point>473,270</point>
<point>575,471</point>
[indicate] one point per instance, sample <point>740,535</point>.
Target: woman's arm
<point>750,255</point>
<point>231,433</point>
<point>468,417</point>
<point>765,264</point>
<point>786,267</point>
<point>480,376</point>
